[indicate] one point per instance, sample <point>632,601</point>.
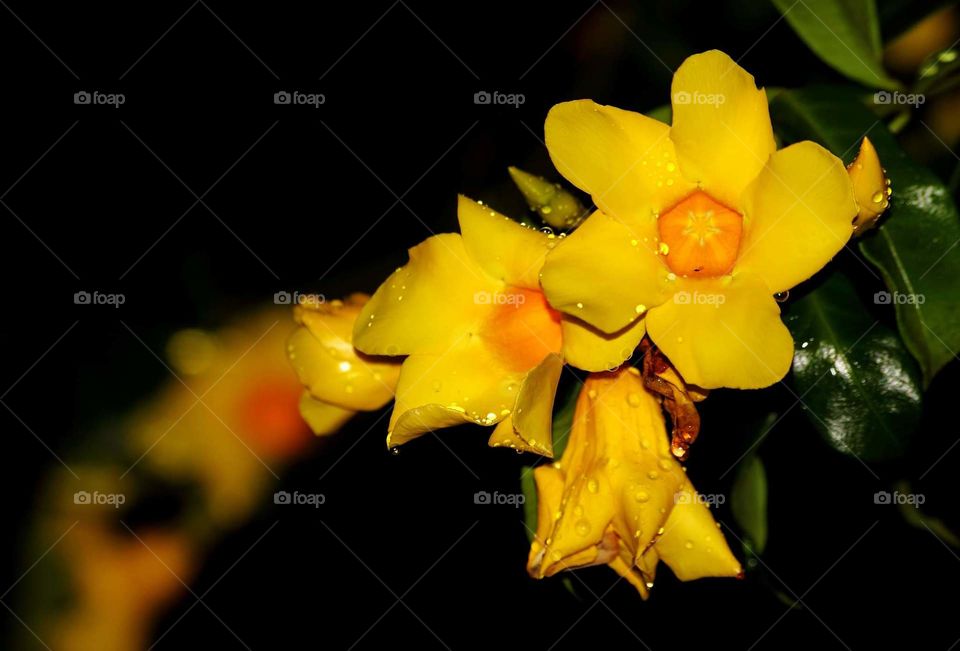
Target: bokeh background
<point>199,199</point>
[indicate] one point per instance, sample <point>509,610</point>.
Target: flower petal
<point>506,250</point>
<point>466,383</point>
<point>426,304</point>
<point>721,125</point>
<point>323,418</point>
<point>692,545</point>
<point>591,349</point>
<point>798,214</point>
<point>330,367</point>
<point>605,272</point>
<point>533,416</point>
<point>723,333</point>
<point>624,160</point>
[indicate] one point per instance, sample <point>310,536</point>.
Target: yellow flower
<point>483,344</point>
<point>700,223</point>
<point>339,380</point>
<point>618,497</point>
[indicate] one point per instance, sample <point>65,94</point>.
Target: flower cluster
<point>699,227</point>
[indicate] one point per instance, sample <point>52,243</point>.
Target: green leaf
<point>845,34</point>
<point>858,383</point>
<point>748,501</point>
<point>663,113</point>
<point>564,405</point>
<point>916,248</point>
<point>529,489</point>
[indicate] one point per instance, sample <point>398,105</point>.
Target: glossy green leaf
<point>748,501</point>
<point>916,247</point>
<point>859,385</point>
<point>845,34</point>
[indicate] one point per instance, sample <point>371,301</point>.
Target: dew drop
<point>582,527</point>
<point>781,297</point>
<point>633,400</point>
<point>877,197</point>
<point>592,486</point>
<point>688,544</point>
<point>642,496</point>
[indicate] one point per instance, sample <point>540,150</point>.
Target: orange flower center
<point>523,328</point>
<point>700,236</point>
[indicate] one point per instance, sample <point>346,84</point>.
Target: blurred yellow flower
<point>121,585</point>
<point>618,497</point>
<point>231,420</point>
<point>339,380</point>
<point>700,223</point>
<point>483,345</point>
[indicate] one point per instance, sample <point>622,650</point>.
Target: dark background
<point>327,200</point>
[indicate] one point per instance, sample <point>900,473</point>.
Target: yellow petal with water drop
<point>591,349</point>
<point>330,367</point>
<point>721,126</point>
<point>604,270</point>
<point>691,544</point>
<point>533,416</point>
<point>507,251</point>
<point>428,303</point>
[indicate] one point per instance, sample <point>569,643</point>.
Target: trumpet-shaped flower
<point>339,380</point>
<point>482,343</point>
<point>699,225</point>
<point>618,497</point>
